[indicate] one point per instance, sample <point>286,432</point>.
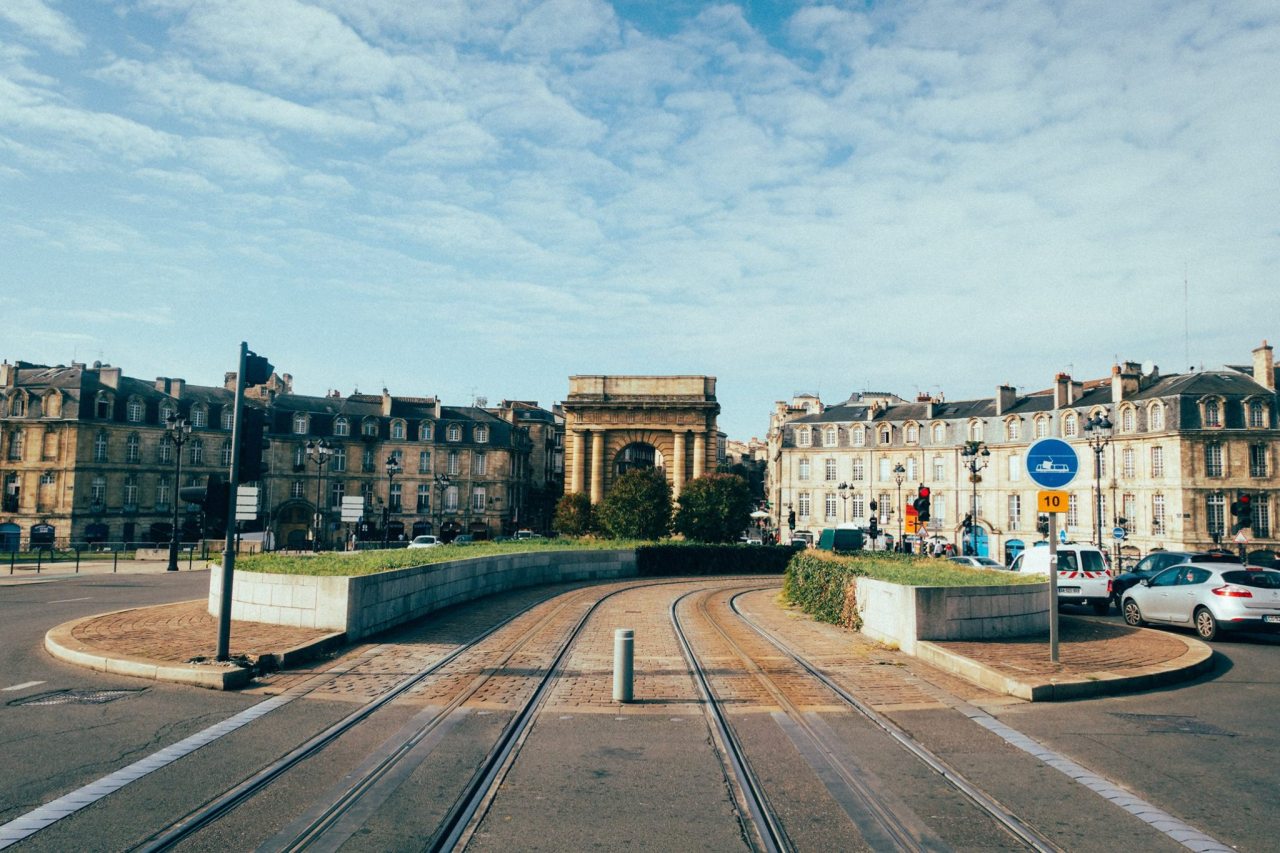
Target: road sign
<point>1052,463</point>
<point>1052,501</point>
<point>352,508</point>
<point>1062,536</point>
<point>246,503</point>
<point>1241,538</point>
<point>911,520</point>
<point>1118,533</point>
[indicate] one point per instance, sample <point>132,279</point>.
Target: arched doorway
<point>10,535</point>
<point>293,525</point>
<point>636,455</point>
<point>974,542</point>
<point>1012,549</point>
<point>449,530</point>
<point>421,528</point>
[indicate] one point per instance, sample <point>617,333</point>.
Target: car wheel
<point>1101,608</point>
<point>1206,625</point>
<point>1133,614</point>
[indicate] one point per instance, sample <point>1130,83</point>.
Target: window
<point>883,507</point>
<point>98,491</point>
<point>803,509</point>
<point>1013,429</point>
<point>197,452</point>
<point>1015,467</point>
<point>858,472</point>
<point>396,501</point>
<point>1255,414</point>
<point>1042,427</point>
<point>1262,518</point>
<point>479,464</point>
<point>1073,510</point>
<point>341,426</point>
<point>859,507</point>
<point>18,406</point>
<point>481,434</point>
<point>132,449</point>
<point>102,405</point>
<point>296,489</point>
<point>162,496</point>
<point>451,499</point>
<point>1015,511</point>
<point>478,499</point>
<point>1128,509</point>
<point>397,430</point>
<point>938,509</point>
<point>829,506</point>
<point>366,461</point>
<point>228,417</point>
<point>48,478</point>
<point>369,427</point>
<point>300,423</point>
<point>425,431</point>
<point>911,469</point>
<point>884,469</point>
<point>99,448</point>
<point>886,435</point>
<point>912,434</point>
<point>15,444</point>
<point>1213,459</point>
<point>1257,460</point>
<point>337,489</point>
<point>1155,418</point>
<point>424,497</point>
<point>453,462</point>
<point>939,471</point>
<point>1070,426</point>
<point>1213,413</point>
<point>199,417</point>
<point>1128,464</point>
<point>939,433</point>
<point>1126,420</point>
<point>859,437</point>
<point>168,411</point>
<point>224,455</point>
<point>166,450</point>
<point>130,493</point>
<point>339,459</point>
<point>1215,516</point>
<point>975,431</point>
<point>829,437</point>
<point>829,469</point>
<point>396,457</point>
<point>134,411</point>
<point>1157,461</point>
<point>1157,515</point>
<point>803,473</point>
<point>424,461</point>
<point>803,437</point>
<point>453,433</point>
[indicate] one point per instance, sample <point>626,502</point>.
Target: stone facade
<point>85,451</point>
<point>616,422</point>
<point>1181,448</point>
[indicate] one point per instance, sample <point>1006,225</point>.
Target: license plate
<point>1272,619</point>
<point>1072,590</point>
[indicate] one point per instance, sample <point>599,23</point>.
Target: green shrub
<point>674,558</point>
<point>574,515</point>
<point>638,506</point>
<point>714,508</point>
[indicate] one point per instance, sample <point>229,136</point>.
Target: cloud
<point>35,19</point>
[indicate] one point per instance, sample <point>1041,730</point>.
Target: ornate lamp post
<point>1098,431</point>
<point>393,468</point>
<point>442,482</point>
<point>319,452</point>
<point>975,456</point>
<point>898,474</point>
<point>845,489</point>
<point>179,431</point>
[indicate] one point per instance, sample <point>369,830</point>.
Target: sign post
<point>1051,464</point>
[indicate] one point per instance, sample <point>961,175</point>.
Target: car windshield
<point>1091,561</point>
<point>1257,580</point>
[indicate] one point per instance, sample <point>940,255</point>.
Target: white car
<point>1209,597</point>
<point>424,542</point>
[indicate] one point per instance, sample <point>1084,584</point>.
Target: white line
<point>21,686</point>
<point>65,600</point>
<point>37,819</point>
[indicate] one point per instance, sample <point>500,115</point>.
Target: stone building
<point>84,451</point>
<point>1181,448</point>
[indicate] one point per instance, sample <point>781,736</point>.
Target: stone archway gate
<point>604,414</point>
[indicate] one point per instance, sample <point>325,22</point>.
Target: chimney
<point>386,403</point>
<point>109,376</point>
<point>928,405</point>
<point>8,375</point>
<point>229,380</point>
<point>173,387</point>
<point>1264,367</point>
<point>1006,396</point>
<point>1124,381</point>
<point>1062,390</point>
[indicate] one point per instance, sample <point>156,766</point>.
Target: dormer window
<point>886,434</point>
<point>1213,413</point>
<point>341,426</point>
<point>975,431</point>
<point>300,423</point>
<point>1127,420</point>
<point>1013,429</point>
<point>134,411</point>
<point>426,431</point>
<point>1155,417</point>
<point>481,434</point>
<point>912,434</point>
<point>168,411</point>
<point>1257,414</point>
<point>102,405</point>
<point>859,437</point>
<point>829,437</point>
<point>453,433</point>
<point>1070,426</point>
<point>228,417</point>
<point>199,417</point>
<point>369,427</point>
<point>397,430</point>
<point>939,433</point>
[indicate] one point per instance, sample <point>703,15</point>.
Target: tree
<point>714,508</point>
<point>574,515</point>
<point>638,506</point>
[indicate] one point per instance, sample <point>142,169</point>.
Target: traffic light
<point>874,507</point>
<point>967,524</point>
<point>921,503</point>
<point>213,496</point>
<point>1242,509</point>
<point>1042,525</point>
<point>791,519</point>
<point>257,370</point>
<point>873,527</point>
<point>252,442</point>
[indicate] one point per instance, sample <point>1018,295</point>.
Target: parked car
<point>424,542</point>
<point>979,562</point>
<point>844,539</point>
<point>527,534</point>
<point>463,539</point>
<point>1083,577</point>
<point>1209,597</point>
<point>1155,563</point>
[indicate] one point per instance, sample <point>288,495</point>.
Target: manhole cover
<point>76,697</point>
<point>1173,724</point>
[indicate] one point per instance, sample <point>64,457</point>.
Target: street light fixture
<point>975,456</point>
<point>393,468</point>
<point>1098,431</point>
<point>319,452</point>
<point>846,491</point>
<point>442,482</point>
<point>179,431</point>
<point>899,473</point>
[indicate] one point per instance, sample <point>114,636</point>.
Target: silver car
<point>1210,597</point>
<point>978,562</point>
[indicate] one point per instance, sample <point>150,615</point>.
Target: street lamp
<point>179,431</point>
<point>319,452</point>
<point>845,490</point>
<point>393,468</point>
<point>898,474</point>
<point>1098,431</point>
<point>976,456</point>
<point>442,482</point>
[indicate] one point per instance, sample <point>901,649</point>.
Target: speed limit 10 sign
<point>1051,501</point>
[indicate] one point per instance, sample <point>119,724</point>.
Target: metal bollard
<point>623,655</point>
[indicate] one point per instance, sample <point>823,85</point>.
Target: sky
<point>480,199</point>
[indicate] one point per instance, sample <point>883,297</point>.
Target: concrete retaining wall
<point>902,615</point>
<point>367,604</point>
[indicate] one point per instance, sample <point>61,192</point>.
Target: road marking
<point>65,600</point>
<point>24,685</point>
<point>37,819</point>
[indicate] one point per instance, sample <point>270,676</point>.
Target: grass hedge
<point>678,558</point>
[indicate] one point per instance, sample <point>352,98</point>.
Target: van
<point>841,539</point>
<point>1083,576</point>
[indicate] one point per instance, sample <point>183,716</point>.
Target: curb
<point>60,643</point>
<point>1195,659</point>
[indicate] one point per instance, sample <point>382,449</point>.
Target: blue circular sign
<point>1117,532</point>
<point>1052,463</point>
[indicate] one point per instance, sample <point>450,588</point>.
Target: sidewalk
<point>1096,657</point>
<point>26,573</point>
